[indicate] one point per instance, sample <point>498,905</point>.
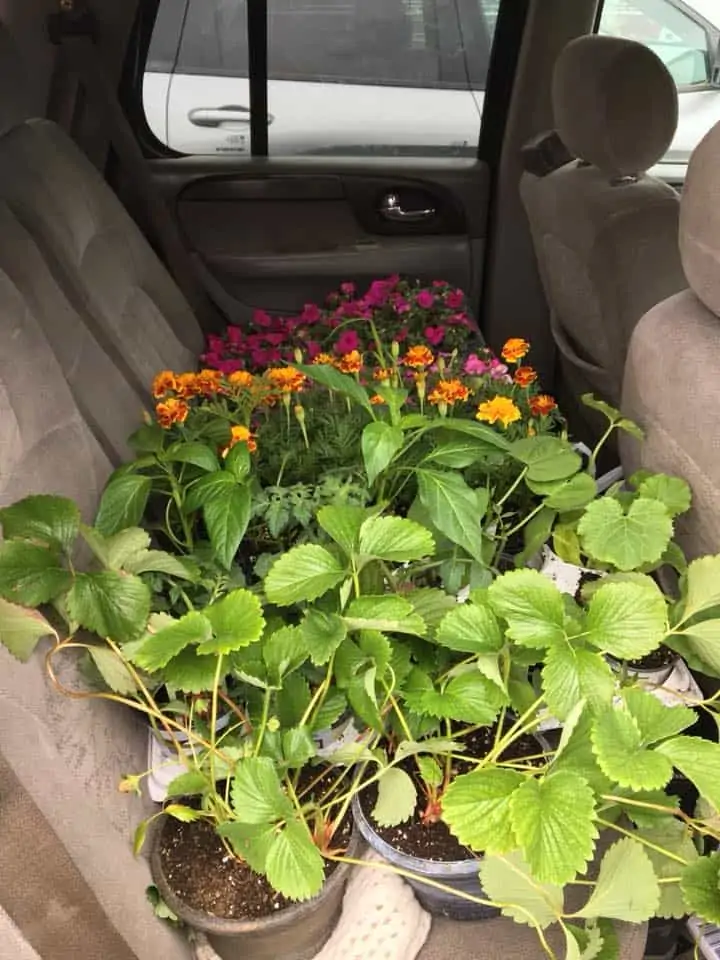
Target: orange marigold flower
<point>515,349</point>
<point>171,411</point>
<point>542,405</point>
<point>448,392</point>
<point>382,373</point>
<point>240,434</point>
<point>418,357</point>
<point>165,382</point>
<point>324,360</point>
<point>241,379</point>
<point>187,385</point>
<point>524,376</point>
<point>350,362</point>
<point>208,382</point>
<point>376,399</point>
<point>286,379</point>
<point>498,410</point>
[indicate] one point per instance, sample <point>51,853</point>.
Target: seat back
<point>672,376</point>
<point>604,231</point>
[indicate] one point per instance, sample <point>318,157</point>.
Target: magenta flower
<point>378,294</point>
<point>228,366</point>
<point>310,313</point>
<point>498,371</point>
<point>234,335</point>
<point>347,342</point>
<point>312,348</point>
<point>263,358</point>
<point>401,334</point>
<point>399,303</point>
<point>439,283</point>
<point>425,300</point>
<point>459,320</point>
<point>455,299</point>
<point>261,318</point>
<point>348,289</point>
<point>475,366</point>
<point>216,344</point>
<point>274,339</point>
<point>435,335</point>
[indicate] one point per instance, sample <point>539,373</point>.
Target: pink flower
<point>229,366</point>
<point>263,358</point>
<point>348,289</point>
<point>275,339</point>
<point>262,319</point>
<point>425,300</point>
<point>459,320</point>
<point>475,366</point>
<point>212,358</point>
<point>401,334</point>
<point>234,335</point>
<point>310,313</point>
<point>498,371</point>
<point>377,295</point>
<point>312,348</point>
<point>435,335</point>
<point>399,303</point>
<point>393,280</point>
<point>347,342</point>
<point>439,283</point>
<point>216,344</point>
<point>455,299</point>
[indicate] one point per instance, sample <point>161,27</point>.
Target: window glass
<point>344,76</point>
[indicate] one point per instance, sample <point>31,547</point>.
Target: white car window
<point>345,76</point>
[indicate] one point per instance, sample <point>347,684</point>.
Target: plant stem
<point>213,716</point>
<point>642,840</point>
<point>512,488</point>
<point>263,723</point>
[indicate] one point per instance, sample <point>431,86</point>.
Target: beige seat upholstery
<point>605,232</point>
<point>673,367</point>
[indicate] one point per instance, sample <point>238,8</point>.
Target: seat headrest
<point>615,104</point>
<point>700,221</point>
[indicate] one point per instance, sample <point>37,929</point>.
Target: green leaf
<point>431,604</point>
<point>160,648</point>
<point>553,822</point>
<point>257,794</point>
<point>250,841</point>
<point>577,755</point>
<point>699,760</point>
<point>469,698</point>
<point>157,561</point>
<point>333,708</point>
<point>237,621</point>
<point>139,837</point>
<point>618,746</point>
<point>188,784</point>
<point>194,452</point>
<point>119,549</point>
<point>626,540</point>
<point>298,747</point>
<point>182,813</point>
<point>113,605</point>
<point>566,543</point>
<point>627,620</point>
<point>536,533</point>
<point>294,866</point>
<point>470,628</point>
<point>50,520</point>
<point>20,630</point>
<point>468,427</point>
<point>476,808</point>
<point>226,511</point>
<point>396,798</point>
<point>702,586</point>
<point>113,670</point>
<point>546,458</point>
<point>612,414</point>
<point>380,442</point>
<point>190,672</point>
<point>123,503</point>
<point>238,462</point>
<point>342,524</point>
<point>284,651</point>
<point>700,887</point>
<point>673,492</point>
<point>459,454</point>
<point>453,508</point>
<point>323,633</point>
<point>574,494</point>
<point>31,574</point>
<point>673,837</point>
<point>507,880</point>
<point>532,606</point>
<point>294,699</point>
<point>571,674</point>
<point>149,438</point>
<point>626,888</point>
<point>303,573</point>
<point>388,614</point>
<point>703,639</point>
<point>655,720</point>
<point>395,539</point>
<point>340,383</point>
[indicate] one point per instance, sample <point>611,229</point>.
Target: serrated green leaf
<point>553,820</point>
<point>396,798</point>
<point>578,756</point>
<point>182,813</point>
<point>618,746</point>
<point>194,452</point>
<point>284,651</point>
<point>460,453</point>
<point>470,628</point>
<point>250,841</point>
<point>237,621</point>
<point>532,606</point>
<point>190,672</point>
<point>342,524</point>
<point>377,649</point>
<point>387,614</point>
<point>672,492</point>
<point>30,574</point>
<point>655,720</point>
<point>469,698</point>
<point>333,708</point>
<point>571,674</point>
<point>430,771</point>
<point>380,442</point>
<point>431,604</point>
<point>612,414</point>
<point>453,508</point>
<point>628,540</point>
<point>626,887</point>
<point>476,808</point>
<point>303,573</point>
<point>298,746</point>
<point>489,666</point>
<point>536,533</point>
<point>571,723</point>
<point>703,640</point>
<point>395,539</point>
<point>547,458</point>
<point>112,604</point>
<point>699,760</point>
<point>673,837</point>
<point>157,561</point>
<point>294,865</point>
<point>119,549</point>
<point>323,633</point>
<point>123,503</point>
<point>338,382</point>
<point>188,784</point>
<point>700,887</point>
<point>574,494</point>
<point>702,586</point>
<point>257,794</point>
<point>566,543</point>
<point>226,511</point>
<point>627,620</point>
<point>47,519</point>
<point>508,880</point>
<point>293,700</point>
<point>161,647</point>
<point>21,629</point>
<point>114,672</point>
<point>433,745</point>
<point>238,462</point>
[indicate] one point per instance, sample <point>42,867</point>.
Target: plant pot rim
<point>223,926</point>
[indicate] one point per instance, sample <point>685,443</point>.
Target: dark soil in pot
<point>656,666</point>
<point>587,576</point>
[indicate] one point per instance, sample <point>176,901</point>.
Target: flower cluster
<point>349,325</point>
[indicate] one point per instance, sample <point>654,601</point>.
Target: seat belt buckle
<point>72,20</point>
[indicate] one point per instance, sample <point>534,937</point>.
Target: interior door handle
<point>391,208</point>
<point>216,116</point>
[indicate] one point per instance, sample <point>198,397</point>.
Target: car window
<point>326,59</point>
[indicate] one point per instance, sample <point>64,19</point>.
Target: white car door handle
<point>216,116</point>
